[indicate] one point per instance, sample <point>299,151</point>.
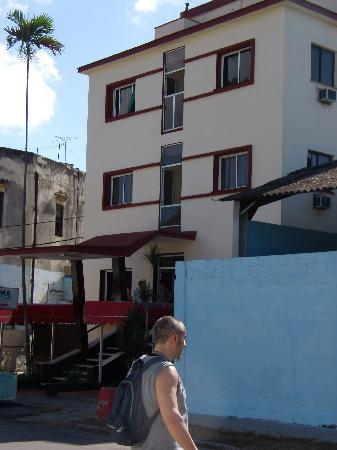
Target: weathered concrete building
<point>54,216</point>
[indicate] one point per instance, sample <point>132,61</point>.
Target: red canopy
<point>39,314</point>
<point>113,312</point>
<point>123,244</point>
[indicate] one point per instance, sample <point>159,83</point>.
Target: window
<point>166,272</point>
<point>315,159</point>
<point>2,194</point>
<point>121,190</point>
<point>124,100</point>
<point>322,65</point>
<point>173,102</point>
<point>171,178</point>
<point>232,169</point>
<point>107,290</point>
<point>236,65</point>
<point>59,219</point>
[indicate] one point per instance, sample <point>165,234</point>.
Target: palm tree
<point>32,34</point>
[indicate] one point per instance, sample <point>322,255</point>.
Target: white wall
<point>308,124</point>
<point>261,336</point>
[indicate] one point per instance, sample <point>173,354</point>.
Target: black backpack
<point>128,422</point>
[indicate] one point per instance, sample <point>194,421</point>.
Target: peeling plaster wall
<point>261,337</point>
<point>54,177</point>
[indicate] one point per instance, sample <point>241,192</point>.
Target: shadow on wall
<point>268,239</point>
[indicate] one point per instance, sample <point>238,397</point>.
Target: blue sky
<point>90,31</point>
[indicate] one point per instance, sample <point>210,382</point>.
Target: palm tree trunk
<point>23,262</point>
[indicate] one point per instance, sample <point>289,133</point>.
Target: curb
<point>215,446</point>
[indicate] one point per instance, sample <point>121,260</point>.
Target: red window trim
<point>230,152</point>
<point>130,205</point>
<point>109,90</point>
<point>235,48</point>
<point>107,186</point>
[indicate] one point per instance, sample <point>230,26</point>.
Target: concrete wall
<point>261,336</point>
<point>270,239</point>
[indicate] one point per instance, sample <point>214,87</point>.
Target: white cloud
<point>9,5</point>
<point>12,90</point>
<point>146,6</point>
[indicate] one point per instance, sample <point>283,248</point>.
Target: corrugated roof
<point>308,179</point>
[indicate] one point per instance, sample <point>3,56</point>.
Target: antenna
<point>62,141</point>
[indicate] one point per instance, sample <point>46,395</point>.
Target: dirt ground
<point>252,441</point>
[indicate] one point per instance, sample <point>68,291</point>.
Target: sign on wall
<point>9,298</point>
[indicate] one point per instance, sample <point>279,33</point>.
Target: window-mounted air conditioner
<point>327,96</point>
<point>321,201</point>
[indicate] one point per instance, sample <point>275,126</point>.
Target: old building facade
<point>54,216</point>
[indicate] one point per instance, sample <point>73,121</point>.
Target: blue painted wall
<point>268,239</point>
<point>261,336</point>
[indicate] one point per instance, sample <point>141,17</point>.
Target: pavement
<point>74,413</point>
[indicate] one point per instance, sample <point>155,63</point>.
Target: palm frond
<point>150,255</point>
<point>31,34</point>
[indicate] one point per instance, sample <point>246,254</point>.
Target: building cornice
<point>202,26</point>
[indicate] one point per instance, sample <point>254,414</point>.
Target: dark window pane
<point>242,168</point>
<point>230,69</point>
<point>315,159</point>
<point>179,111</point>
<point>315,58</point>
<point>174,60</point>
<point>1,208</point>
<point>128,179</point>
<point>327,67</point>
<point>175,82</point>
<point>59,220</point>
<point>169,260</point>
<point>171,154</point>
<point>228,173</point>
<point>323,159</point>
<point>171,185</point>
<point>117,102</point>
<point>117,191</point>
<point>170,216</point>
<point>245,62</point>
<point>168,113</point>
<point>125,100</point>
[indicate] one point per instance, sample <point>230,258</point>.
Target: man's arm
<point>166,391</point>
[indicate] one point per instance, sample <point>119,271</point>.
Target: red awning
<point>39,314</point>
<point>113,312</point>
<point>112,245</point>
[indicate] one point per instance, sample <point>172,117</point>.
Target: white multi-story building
<point>230,95</point>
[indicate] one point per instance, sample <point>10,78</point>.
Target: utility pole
<point>62,141</point>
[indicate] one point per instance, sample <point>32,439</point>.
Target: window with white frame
<point>236,67</point>
<point>233,171</point>
<point>121,189</point>
<point>171,179</point>
<point>124,100</point>
<point>173,102</point>
<point>315,159</point>
<point>322,65</point>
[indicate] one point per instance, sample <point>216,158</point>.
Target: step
<point>113,349</point>
<point>106,354</point>
<point>60,378</point>
<point>84,366</point>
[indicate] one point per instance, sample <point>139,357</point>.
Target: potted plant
<point>8,380</point>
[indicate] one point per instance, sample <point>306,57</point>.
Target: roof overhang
<point>305,180</point>
<point>106,246</point>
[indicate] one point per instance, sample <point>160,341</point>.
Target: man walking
<point>162,390</point>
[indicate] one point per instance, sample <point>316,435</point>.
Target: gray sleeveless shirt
<point>159,437</point>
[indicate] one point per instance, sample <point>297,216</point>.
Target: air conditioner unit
<point>327,96</point>
<point>321,201</point>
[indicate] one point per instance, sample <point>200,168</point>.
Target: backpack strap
<point>154,359</point>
